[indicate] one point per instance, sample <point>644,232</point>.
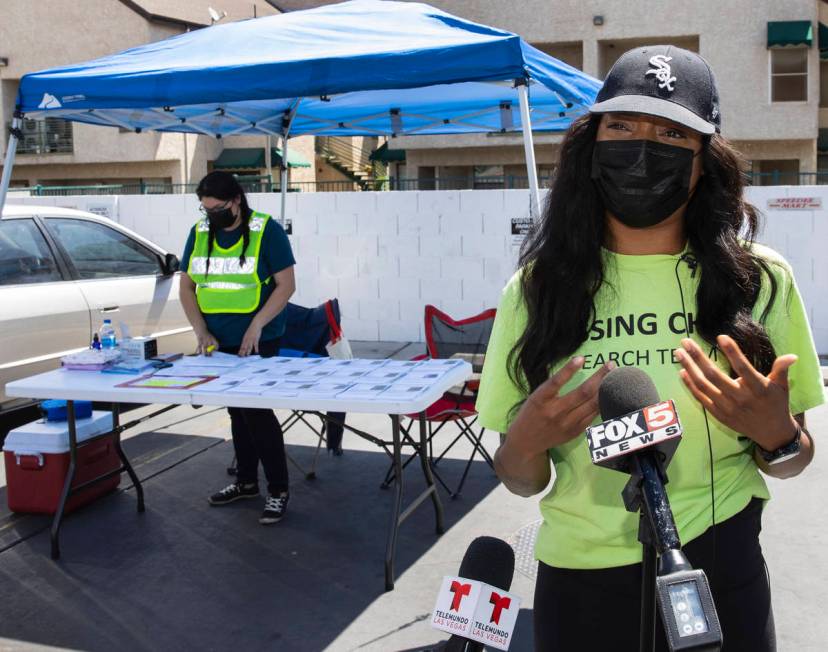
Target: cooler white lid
<point>53,436</point>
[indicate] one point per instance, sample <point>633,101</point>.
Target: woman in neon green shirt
<point>644,257</point>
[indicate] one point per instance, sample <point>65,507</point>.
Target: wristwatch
<point>786,452</point>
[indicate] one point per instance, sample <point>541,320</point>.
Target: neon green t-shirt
<point>639,322</point>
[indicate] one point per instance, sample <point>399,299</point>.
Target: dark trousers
<point>600,609</point>
<point>257,437</point>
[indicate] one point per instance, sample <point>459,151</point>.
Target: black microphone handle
<point>657,505</point>
<point>459,644</point>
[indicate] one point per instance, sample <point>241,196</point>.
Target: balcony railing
<point>460,183</point>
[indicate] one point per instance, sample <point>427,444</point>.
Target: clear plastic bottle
<point>107,335</point>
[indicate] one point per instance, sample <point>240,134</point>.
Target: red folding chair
<point>445,338</point>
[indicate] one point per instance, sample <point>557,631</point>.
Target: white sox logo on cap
<point>661,70</point>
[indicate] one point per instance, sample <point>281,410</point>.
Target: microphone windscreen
<point>624,390</point>
<point>489,560</point>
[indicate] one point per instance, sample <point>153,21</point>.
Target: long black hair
<point>223,185</point>
<point>563,269</point>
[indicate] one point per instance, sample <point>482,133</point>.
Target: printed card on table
<point>364,391</point>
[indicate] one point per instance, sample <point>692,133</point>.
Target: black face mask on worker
<point>642,182</point>
<point>221,219</point>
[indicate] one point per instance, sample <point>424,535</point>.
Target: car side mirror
<point>171,264</point>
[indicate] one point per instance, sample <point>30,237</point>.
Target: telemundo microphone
<point>639,435</point>
<point>475,606</point>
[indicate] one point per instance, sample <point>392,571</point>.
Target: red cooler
<point>37,461</point>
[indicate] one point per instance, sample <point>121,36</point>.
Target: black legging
<point>596,610</point>
<point>257,436</point>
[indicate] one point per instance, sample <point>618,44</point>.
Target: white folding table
<point>434,377</point>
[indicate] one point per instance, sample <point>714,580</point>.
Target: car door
<point>44,314</point>
<point>123,280</point>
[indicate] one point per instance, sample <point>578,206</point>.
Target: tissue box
<point>139,348</point>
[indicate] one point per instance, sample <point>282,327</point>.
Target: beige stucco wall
<point>47,33</point>
<point>731,35</point>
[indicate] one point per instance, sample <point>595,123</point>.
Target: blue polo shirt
<point>274,256</point>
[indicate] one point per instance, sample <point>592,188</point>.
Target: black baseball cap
<point>664,81</point>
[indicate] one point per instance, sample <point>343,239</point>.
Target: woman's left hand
<point>250,341</point>
<point>752,404</point>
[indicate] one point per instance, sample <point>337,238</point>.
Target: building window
<point>488,177</point>
<point>789,75</point>
<point>609,51</point>
<point>822,168</point>
<point>823,83</point>
<point>48,136</point>
<point>571,53</point>
<point>782,172</point>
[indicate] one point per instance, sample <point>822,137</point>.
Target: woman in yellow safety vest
<point>238,279</point>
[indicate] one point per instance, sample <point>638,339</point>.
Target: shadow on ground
<point>185,575</point>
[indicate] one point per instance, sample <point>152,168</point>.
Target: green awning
<point>384,154</point>
<point>790,32</point>
<point>822,141</point>
<point>253,158</point>
<point>823,41</point>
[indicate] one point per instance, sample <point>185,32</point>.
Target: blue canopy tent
<point>365,67</point>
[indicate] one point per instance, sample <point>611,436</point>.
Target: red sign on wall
<point>795,203</point>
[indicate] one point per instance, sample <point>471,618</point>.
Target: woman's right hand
<point>546,419</point>
<point>206,343</point>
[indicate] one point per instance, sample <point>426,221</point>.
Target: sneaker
<point>275,508</point>
<point>235,491</point>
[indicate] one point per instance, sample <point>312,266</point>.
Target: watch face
<point>785,452</point>
<point>783,458</point>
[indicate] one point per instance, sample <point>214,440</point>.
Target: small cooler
<point>37,461</point>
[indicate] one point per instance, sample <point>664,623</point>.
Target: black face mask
<point>221,219</point>
<point>642,182</point>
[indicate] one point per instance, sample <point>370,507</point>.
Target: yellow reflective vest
<point>229,286</point>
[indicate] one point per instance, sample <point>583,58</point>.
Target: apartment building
<point>53,152</point>
<point>767,56</point>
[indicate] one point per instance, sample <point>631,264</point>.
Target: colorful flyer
<point>167,382</point>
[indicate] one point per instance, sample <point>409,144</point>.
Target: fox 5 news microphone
<point>639,435</point>
<point>476,607</point>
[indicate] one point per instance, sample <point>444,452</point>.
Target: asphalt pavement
<point>185,575</point>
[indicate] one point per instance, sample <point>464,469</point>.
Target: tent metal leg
<point>8,164</point>
<point>283,181</point>
<point>529,149</point>
<point>391,546</point>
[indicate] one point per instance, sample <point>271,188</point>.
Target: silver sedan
<point>62,272</point>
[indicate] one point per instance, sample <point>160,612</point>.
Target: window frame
<point>61,268</point>
<point>771,75</point>
<point>73,271</point>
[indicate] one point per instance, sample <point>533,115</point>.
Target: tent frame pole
<point>283,181</point>
<point>8,164</point>
<point>287,122</point>
<point>522,86</point>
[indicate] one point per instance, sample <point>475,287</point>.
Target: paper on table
<point>253,386</point>
<point>365,391</point>
<point>359,363</point>
<point>167,382</point>
<point>399,392</point>
<point>217,359</point>
<point>306,374</point>
<point>419,375</point>
<point>324,389</point>
<point>402,365</point>
<point>192,370</point>
<point>441,363</point>
<point>383,375</point>
<point>288,388</point>
<point>220,384</point>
